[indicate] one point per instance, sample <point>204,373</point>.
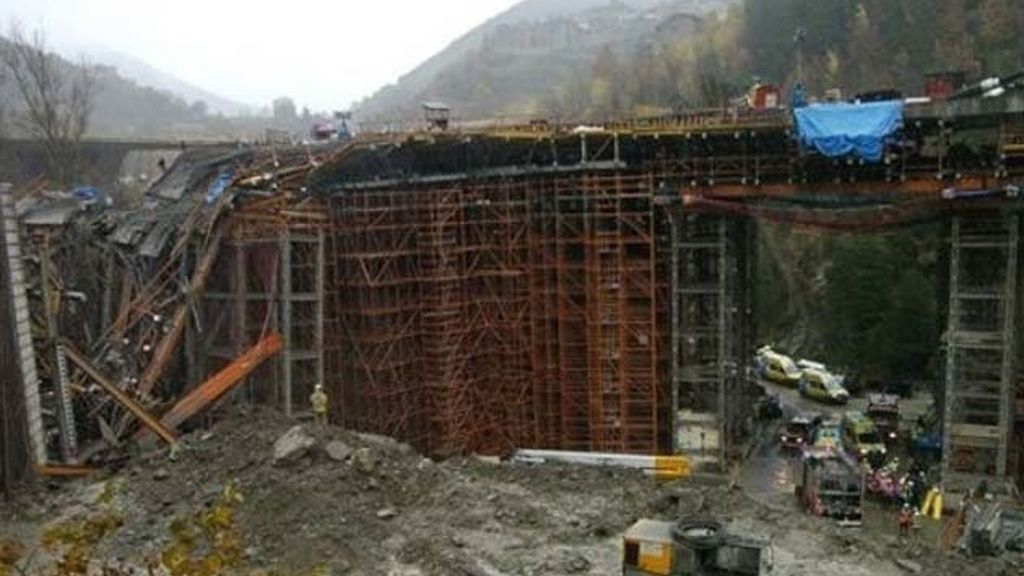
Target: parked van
<point>860,435</point>
<point>822,386</point>
<point>777,368</point>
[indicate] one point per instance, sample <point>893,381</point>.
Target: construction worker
<point>318,401</point>
<point>906,519</point>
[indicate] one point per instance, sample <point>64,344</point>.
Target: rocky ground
<point>333,502</point>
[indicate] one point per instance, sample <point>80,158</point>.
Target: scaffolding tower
<point>710,277</point>
<point>981,348</point>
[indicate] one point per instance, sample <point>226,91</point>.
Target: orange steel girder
<point>221,383</point>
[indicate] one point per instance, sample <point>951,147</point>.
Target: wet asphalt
<point>768,474</point>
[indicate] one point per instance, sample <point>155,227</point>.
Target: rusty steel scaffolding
<point>493,315</point>
<point>432,332</point>
<point>270,278</point>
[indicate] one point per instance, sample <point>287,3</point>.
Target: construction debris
<point>501,519</point>
<point>992,527</point>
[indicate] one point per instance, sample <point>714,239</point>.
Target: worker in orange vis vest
<point>905,519</point>
<point>318,401</point>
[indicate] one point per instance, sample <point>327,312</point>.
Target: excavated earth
<point>371,506</point>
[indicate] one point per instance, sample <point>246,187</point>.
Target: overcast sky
<point>325,54</point>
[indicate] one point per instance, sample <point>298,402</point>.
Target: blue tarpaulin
<point>843,129</point>
<point>219,185</point>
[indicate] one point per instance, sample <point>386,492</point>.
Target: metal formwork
<point>981,348</point>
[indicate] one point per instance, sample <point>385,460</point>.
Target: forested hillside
<point>871,304</point>
<point>853,45</point>
<point>531,60</point>
<point>870,44</point>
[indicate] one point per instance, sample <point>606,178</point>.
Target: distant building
<point>437,115</point>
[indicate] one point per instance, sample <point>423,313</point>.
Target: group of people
<point>918,496</point>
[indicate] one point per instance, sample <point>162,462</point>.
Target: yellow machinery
<point>691,548</point>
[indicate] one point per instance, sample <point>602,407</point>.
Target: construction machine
<point>692,547</point>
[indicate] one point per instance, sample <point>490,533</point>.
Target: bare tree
<point>57,98</point>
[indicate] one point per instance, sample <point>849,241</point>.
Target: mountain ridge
<point>445,76</point>
<point>145,74</point>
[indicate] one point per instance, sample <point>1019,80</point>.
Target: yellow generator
<point>691,548</point>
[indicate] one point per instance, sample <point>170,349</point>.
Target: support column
<point>65,409</point>
<point>321,271</point>
<point>699,335</point>
<point>710,267</point>
<point>22,332</point>
<point>981,348</point>
<point>240,297</point>
<point>286,320</point>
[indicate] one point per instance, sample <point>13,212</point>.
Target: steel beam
<point>165,349</point>
<point>83,363</point>
<point>220,383</point>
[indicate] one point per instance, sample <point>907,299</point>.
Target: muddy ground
<point>383,509</point>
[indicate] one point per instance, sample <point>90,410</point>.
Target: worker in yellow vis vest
<point>318,401</point>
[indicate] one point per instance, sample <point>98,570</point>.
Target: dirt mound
<point>329,501</point>
<point>384,508</point>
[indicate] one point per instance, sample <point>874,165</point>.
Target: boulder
<point>293,445</point>
<point>364,460</point>
<point>338,450</point>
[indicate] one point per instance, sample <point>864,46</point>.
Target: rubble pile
<point>329,501</point>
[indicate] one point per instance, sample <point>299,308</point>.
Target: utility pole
<point>799,39</point>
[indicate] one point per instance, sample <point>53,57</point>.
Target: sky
<point>324,54</point>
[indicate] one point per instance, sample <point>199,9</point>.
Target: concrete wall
<point>21,440</point>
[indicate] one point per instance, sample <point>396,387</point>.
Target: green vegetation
<point>868,303</point>
<point>856,46</point>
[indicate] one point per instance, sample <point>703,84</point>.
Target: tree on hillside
<point>954,44</point>
<point>999,32</point>
<point>57,99</point>
<point>867,60</point>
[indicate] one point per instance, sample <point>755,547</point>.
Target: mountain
<point>126,109</point>
<point>145,74</point>
<point>512,64</point>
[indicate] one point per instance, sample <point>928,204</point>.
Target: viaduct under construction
<point>485,290</point>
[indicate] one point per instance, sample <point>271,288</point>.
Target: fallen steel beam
<point>221,383</point>
<point>661,467</point>
<point>61,471</point>
<point>123,399</point>
<point>165,349</point>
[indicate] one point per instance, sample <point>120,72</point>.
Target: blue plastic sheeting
<point>843,129</point>
<point>219,185</point>
<point>87,193</point>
